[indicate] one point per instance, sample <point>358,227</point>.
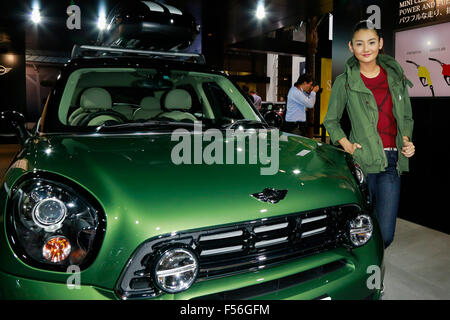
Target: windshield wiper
<point>148,125</point>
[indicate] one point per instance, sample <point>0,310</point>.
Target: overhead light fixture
<point>36,15</point>
<point>101,22</point>
<point>260,11</point>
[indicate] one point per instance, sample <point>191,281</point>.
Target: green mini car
<point>142,180</point>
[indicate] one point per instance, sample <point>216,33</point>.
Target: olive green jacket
<point>349,91</point>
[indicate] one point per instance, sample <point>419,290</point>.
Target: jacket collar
<point>390,65</point>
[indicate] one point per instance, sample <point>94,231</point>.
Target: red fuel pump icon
<point>445,70</point>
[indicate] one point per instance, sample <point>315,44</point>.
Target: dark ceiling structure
<point>231,23</point>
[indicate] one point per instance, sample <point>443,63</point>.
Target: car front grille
<point>241,247</point>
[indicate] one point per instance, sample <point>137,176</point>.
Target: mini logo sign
<point>270,195</point>
<point>4,70</point>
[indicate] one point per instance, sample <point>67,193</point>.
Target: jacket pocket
<point>367,155</point>
<point>360,155</point>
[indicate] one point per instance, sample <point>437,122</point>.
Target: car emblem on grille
<point>270,195</point>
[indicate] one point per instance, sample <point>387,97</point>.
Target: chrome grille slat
<point>308,220</point>
<point>266,243</point>
<point>313,232</point>
<point>271,227</point>
<point>220,250</point>
<point>221,236</point>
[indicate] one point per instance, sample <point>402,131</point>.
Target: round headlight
<point>175,270</point>
<point>49,213</point>
<point>360,230</point>
<point>53,223</point>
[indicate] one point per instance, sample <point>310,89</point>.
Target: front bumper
<point>346,282</point>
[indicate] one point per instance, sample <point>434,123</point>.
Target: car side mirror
<point>13,121</point>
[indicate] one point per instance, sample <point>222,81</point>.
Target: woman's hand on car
<point>353,147</point>
<point>348,146</point>
<point>408,149</point>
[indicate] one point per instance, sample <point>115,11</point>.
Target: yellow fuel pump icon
<point>424,76</point>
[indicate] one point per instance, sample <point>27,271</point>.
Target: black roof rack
<point>98,51</point>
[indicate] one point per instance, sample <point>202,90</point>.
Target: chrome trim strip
<point>222,235</point>
<point>96,134</point>
<point>270,228</point>
<point>175,271</point>
<point>308,220</point>
<point>145,52</point>
<point>313,232</point>
<point>270,242</point>
<point>221,250</point>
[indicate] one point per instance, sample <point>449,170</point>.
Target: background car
<point>274,113</point>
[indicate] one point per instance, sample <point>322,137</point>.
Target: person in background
<point>302,95</point>
<point>257,99</point>
<point>381,120</point>
<point>246,89</point>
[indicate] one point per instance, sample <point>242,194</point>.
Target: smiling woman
<point>374,91</point>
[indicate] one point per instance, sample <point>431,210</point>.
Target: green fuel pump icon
<point>424,76</point>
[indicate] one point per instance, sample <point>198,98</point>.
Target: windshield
<point>94,99</point>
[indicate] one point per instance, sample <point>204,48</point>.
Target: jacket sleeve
<point>408,119</point>
<point>336,106</point>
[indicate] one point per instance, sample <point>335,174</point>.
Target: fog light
<point>56,249</point>
<point>49,214</point>
<point>175,270</point>
<point>360,230</point>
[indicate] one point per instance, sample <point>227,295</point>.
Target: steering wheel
<point>111,113</point>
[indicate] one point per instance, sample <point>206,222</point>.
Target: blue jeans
<point>384,190</point>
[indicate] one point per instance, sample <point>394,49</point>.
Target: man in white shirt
<point>302,95</point>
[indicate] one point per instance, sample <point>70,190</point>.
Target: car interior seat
<point>92,100</point>
<point>177,103</point>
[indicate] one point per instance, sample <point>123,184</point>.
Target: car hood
<point>135,179</point>
<point>145,194</point>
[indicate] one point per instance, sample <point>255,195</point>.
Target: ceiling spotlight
<point>36,15</point>
<point>101,22</point>
<point>260,11</point>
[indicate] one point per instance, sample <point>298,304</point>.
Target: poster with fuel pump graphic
<point>424,54</point>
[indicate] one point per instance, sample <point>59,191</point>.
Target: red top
<point>387,125</point>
